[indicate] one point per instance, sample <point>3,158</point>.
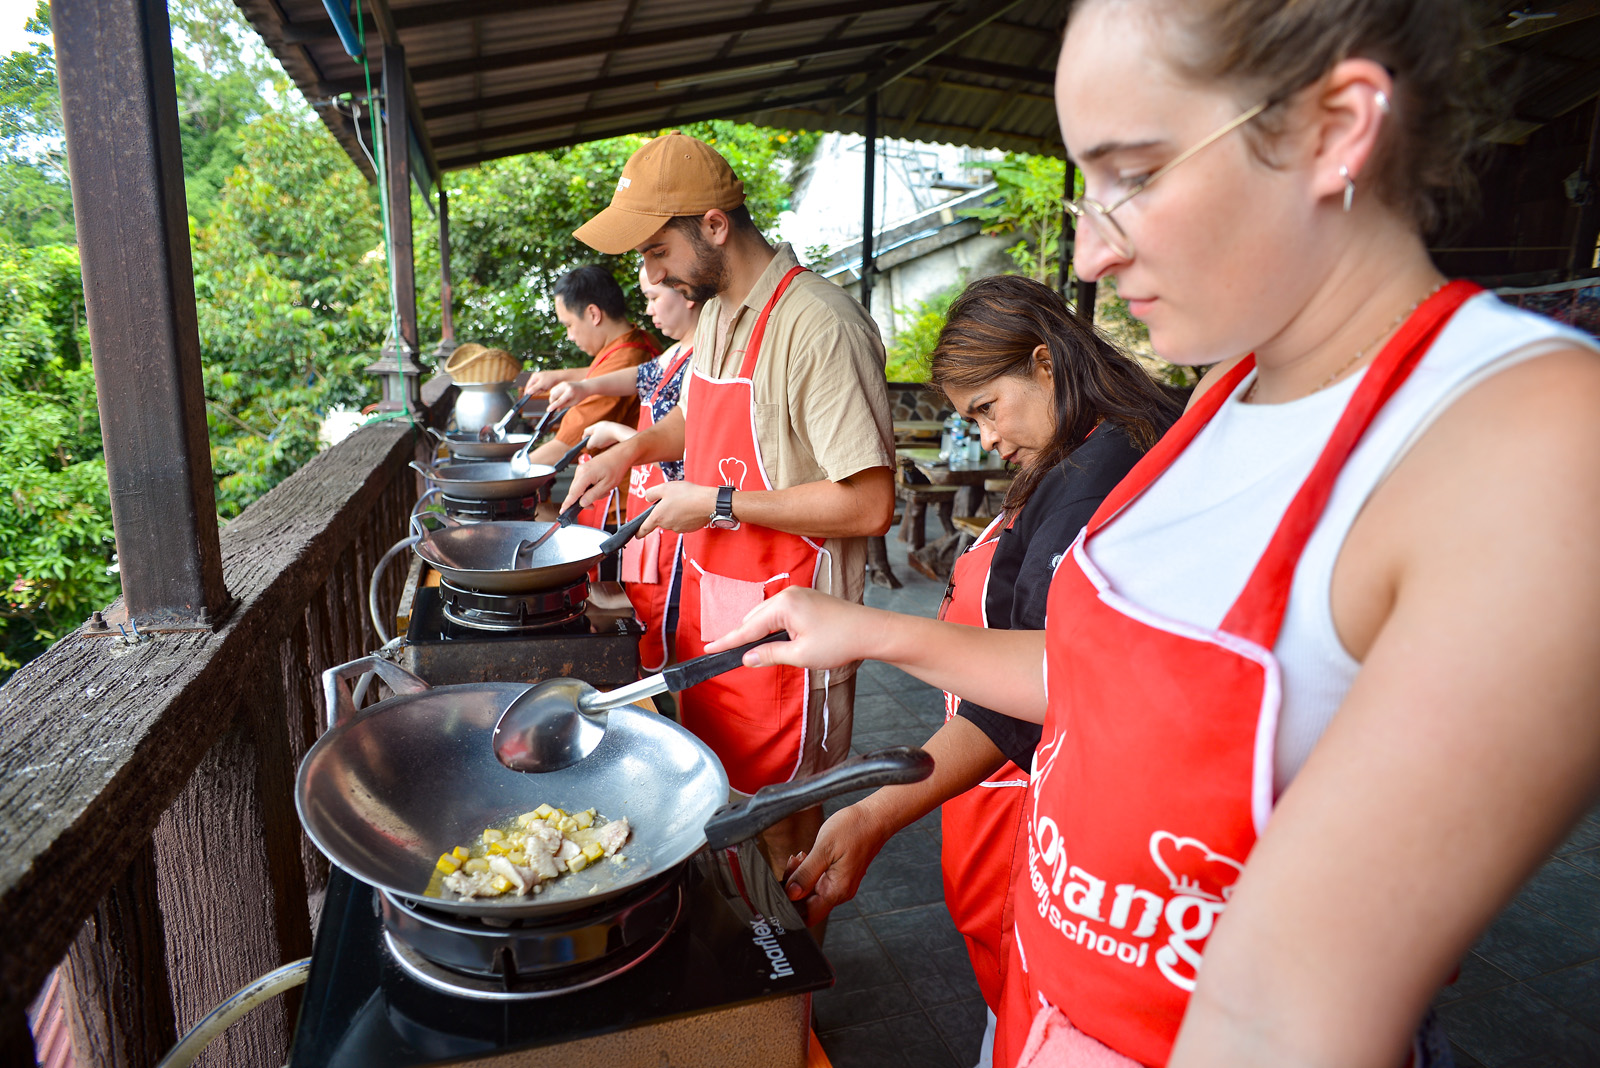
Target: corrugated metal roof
<point>502,77</point>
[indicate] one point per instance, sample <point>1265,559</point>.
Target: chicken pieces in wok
<point>539,846</point>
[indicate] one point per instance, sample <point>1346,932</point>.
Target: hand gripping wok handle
<point>625,533</point>
<point>570,455</point>
<point>337,698</point>
<point>694,672</point>
<point>735,823</point>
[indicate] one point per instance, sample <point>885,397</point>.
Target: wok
<point>385,791</point>
<point>465,444</point>
<point>485,480</point>
<point>479,556</point>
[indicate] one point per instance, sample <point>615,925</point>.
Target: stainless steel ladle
<point>556,723</point>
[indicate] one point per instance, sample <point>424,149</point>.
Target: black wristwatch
<point>722,518</point>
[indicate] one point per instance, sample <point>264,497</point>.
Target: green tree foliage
<point>220,75</point>
<point>33,164</point>
<point>511,223</point>
<point>1027,203</point>
<point>291,290</point>
<point>55,513</point>
<point>914,342</point>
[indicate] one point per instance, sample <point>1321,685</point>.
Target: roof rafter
<point>634,126</point>
<point>656,74</point>
<point>649,105</point>
<point>693,31</point>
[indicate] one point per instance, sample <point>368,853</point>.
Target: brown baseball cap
<point>672,175</point>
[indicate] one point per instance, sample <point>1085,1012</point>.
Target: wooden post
<point>868,216</point>
<point>447,326</point>
<point>1587,234</point>
<point>116,992</point>
<point>120,112</point>
<point>397,147</point>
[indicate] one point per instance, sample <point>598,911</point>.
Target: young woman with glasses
<point>1318,682</point>
<point>1055,397</point>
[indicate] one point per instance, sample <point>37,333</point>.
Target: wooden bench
<point>916,497</point>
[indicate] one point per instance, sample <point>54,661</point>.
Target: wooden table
<point>969,476</point>
<point>909,430</point>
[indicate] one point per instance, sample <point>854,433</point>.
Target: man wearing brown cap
<point>786,439</point>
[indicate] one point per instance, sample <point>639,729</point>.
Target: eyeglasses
<point>1099,215</point>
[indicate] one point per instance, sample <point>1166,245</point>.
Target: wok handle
<point>570,516</point>
<point>625,532</point>
<point>570,455</point>
<point>499,428</point>
<point>337,697</point>
<point>425,472</point>
<point>693,672</point>
<point>742,820</point>
<point>544,419</point>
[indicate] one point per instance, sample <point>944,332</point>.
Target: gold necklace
<point>1352,361</point>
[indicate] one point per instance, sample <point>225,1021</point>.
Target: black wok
<point>493,557</point>
<point>385,791</point>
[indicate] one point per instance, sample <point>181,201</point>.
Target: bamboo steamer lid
<point>472,364</point>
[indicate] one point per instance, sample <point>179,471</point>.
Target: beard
<point>706,276</point>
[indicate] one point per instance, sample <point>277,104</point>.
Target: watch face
<point>720,523</point>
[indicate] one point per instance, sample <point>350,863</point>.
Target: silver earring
<point>1382,100</point>
<point>1349,187</point>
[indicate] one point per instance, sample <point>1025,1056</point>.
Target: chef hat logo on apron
<point>733,470</point>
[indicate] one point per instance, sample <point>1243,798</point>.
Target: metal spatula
<point>556,723</point>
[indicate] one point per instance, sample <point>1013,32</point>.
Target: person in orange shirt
<point>590,305</point>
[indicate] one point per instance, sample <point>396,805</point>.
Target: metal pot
<point>385,791</point>
<point>481,404</point>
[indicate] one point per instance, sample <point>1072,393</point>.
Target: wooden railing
<point>147,825</point>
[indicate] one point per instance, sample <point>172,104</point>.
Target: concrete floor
<point>1528,994</point>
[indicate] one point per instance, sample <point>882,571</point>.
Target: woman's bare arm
<point>999,669</point>
<point>1470,588</point>
<point>829,875</point>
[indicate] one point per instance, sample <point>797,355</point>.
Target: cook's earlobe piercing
<point>1349,187</point>
<point>1383,101</point>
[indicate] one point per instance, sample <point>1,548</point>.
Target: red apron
<point>754,719</point>
<point>650,563</point>
<point>1154,775</point>
<point>975,879</point>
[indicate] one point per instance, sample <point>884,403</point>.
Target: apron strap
<point>672,369</point>
<point>747,368</point>
<point>1258,613</point>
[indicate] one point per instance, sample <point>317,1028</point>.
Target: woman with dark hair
<point>1051,394</point>
<point>1318,680</point>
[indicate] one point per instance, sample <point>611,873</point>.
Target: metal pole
<point>868,216</point>
<point>447,326</point>
<point>1068,233</point>
<point>1083,293</point>
<point>119,109</point>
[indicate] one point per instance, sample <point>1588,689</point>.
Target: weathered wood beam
<point>943,41</point>
<point>654,75</point>
<point>101,737</point>
<point>116,989</point>
<point>652,106</point>
<point>397,148</point>
<point>120,113</point>
<point>1528,23</point>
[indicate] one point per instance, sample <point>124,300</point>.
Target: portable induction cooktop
<point>720,974</point>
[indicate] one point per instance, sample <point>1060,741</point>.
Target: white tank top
<point>1185,548</point>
